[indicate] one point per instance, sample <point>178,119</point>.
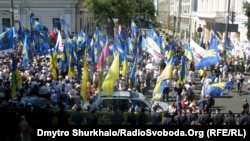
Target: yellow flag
<point>167,73</point>
<point>85,77</point>
<point>108,87</point>
<point>111,77</point>
<point>16,78</point>
<point>113,73</point>
<point>53,63</point>
<point>71,71</point>
<point>125,67</point>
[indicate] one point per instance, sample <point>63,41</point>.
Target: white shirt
<point>169,83</point>
<point>230,77</point>
<point>238,76</point>
<point>156,73</point>
<point>171,109</point>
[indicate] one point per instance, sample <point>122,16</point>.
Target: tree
<point>246,6</point>
<point>105,10</point>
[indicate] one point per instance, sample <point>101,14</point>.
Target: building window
<point>56,23</point>
<point>6,22</point>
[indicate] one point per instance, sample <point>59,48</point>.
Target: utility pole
<point>227,20</point>
<point>190,21</point>
<point>12,13</point>
<point>232,17</point>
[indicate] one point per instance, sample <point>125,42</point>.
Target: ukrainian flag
<point>188,52</point>
<point>25,61</point>
<point>228,43</point>
<point>171,51</point>
<point>217,89</point>
<point>158,90</point>
<point>167,73</point>
<point>210,57</point>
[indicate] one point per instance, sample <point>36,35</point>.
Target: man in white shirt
<point>156,73</point>
<point>165,93</point>
<point>205,82</point>
<point>240,79</point>
<point>224,72</point>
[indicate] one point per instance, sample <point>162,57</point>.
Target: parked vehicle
<point>35,101</point>
<point>122,100</point>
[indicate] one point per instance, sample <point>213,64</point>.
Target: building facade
<point>163,16</point>
<point>202,15</point>
<point>46,11</point>
<point>210,12</point>
<point>181,15</point>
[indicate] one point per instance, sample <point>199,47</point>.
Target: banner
<point>197,50</point>
<point>154,50</point>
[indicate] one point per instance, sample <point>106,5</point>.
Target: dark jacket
<point>230,120</point>
<point>203,119</point>
<point>217,119</point>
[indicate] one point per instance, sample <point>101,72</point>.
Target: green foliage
<point>196,37</point>
<point>171,37</point>
<point>246,6</point>
<point>182,33</point>
<point>105,10</point>
<point>166,34</point>
<point>171,28</point>
<point>187,33</point>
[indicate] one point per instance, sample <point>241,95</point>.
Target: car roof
<point>126,94</point>
<point>34,101</point>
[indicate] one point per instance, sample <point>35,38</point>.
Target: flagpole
<point>13,24</point>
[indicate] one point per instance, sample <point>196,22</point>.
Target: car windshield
<point>148,100</point>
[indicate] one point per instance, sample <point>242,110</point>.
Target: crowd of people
<point>187,108</point>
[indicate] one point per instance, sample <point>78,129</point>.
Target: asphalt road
<point>229,101</point>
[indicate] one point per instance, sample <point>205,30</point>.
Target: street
<point>229,101</point>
